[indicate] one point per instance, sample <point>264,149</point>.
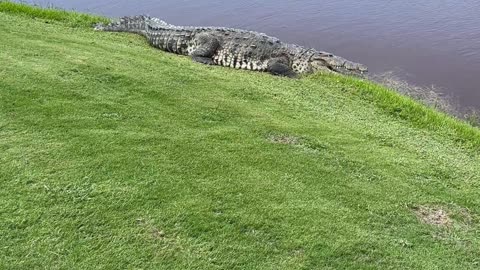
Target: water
<point>429,42</point>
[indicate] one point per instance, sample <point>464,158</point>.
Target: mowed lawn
<point>115,155</point>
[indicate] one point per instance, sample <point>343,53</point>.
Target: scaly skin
<point>234,48</point>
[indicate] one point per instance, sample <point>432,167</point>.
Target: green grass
<point>114,155</point>
<point>69,18</point>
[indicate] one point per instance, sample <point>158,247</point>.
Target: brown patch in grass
<point>155,232</point>
<point>433,215</point>
<point>300,142</point>
<point>284,139</point>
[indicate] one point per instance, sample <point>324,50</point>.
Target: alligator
<point>234,48</point>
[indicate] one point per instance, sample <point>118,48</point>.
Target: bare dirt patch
<point>155,232</point>
<point>284,139</point>
<point>301,142</point>
<point>433,215</point>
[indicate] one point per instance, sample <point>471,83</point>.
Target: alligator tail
<point>135,24</point>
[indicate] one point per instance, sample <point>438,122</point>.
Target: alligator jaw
<point>323,60</point>
<point>355,70</point>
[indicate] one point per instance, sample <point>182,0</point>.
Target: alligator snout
<point>356,67</point>
<point>337,64</point>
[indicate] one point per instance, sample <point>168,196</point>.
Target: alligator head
<point>327,61</point>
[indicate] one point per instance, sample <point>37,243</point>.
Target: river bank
<point>429,44</point>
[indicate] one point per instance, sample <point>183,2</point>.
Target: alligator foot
<point>281,69</point>
<point>207,46</point>
<point>203,60</point>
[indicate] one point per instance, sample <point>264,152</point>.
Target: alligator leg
<point>207,46</point>
<point>278,66</point>
<point>203,60</point>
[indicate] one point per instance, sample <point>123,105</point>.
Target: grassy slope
<point>117,155</point>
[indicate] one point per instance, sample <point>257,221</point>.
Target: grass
<point>69,18</point>
<point>114,155</point>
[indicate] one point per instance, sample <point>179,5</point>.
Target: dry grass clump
<point>433,216</point>
<point>284,139</point>
<point>444,216</point>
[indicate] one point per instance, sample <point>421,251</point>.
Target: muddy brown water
<point>429,42</point>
